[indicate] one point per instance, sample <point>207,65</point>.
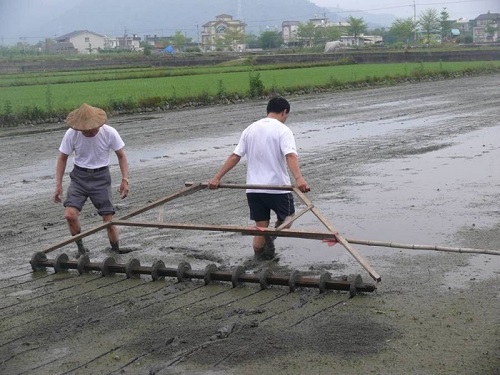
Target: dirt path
<point>415,164</point>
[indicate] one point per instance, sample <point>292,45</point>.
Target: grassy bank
<point>48,97</point>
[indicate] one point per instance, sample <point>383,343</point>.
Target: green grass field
<point>43,93</point>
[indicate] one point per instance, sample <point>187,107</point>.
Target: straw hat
<point>86,118</point>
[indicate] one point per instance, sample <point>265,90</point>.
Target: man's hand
<point>214,183</point>
<point>57,194</point>
<point>302,185</point>
<point>123,189</point>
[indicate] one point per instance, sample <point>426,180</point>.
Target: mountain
<point>165,17</point>
<point>150,17</point>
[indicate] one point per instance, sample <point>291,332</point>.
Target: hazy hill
<point>160,17</point>
<point>113,17</point>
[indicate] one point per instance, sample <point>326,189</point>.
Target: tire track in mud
<point>24,314</point>
<point>235,327</point>
<point>149,301</point>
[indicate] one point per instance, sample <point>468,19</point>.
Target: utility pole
<point>415,21</point>
<point>197,36</point>
<point>125,38</point>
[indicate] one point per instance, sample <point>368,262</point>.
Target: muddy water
<point>410,164</point>
<point>392,177</point>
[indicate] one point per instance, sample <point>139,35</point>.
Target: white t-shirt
<point>265,143</point>
<point>91,152</point>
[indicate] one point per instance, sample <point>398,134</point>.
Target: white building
<point>214,33</point>
<point>361,40</point>
<point>84,41</point>
<point>289,31</point>
<point>129,43</point>
<point>486,29</point>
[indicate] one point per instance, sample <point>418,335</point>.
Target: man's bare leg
<point>72,214</point>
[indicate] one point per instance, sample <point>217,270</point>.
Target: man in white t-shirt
<point>91,141</point>
<point>270,148</point>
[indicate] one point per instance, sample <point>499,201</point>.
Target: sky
<point>404,8</point>
<point>19,15</point>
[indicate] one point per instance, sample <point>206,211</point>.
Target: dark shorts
<point>93,185</point>
<point>261,205</point>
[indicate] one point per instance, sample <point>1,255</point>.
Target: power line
<point>406,6</point>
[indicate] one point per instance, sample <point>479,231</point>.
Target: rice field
<point>61,92</point>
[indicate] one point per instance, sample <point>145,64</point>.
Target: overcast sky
<point>18,17</point>
<point>404,8</point>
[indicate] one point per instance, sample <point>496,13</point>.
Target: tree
<point>270,39</point>
<point>445,24</point>
<point>233,37</point>
<point>357,26</point>
<point>430,24</point>
<point>252,41</point>
<point>490,31</point>
<point>381,31</point>
<point>306,33</point>
<point>47,44</point>
<point>402,29</point>
<point>178,40</point>
<point>147,49</point>
<point>331,32</point>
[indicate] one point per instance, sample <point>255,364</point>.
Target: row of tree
<point>430,26</point>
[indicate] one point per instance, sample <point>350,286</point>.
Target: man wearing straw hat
<point>91,141</point>
<point>270,148</point>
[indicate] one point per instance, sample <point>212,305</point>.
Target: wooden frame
<point>331,234</point>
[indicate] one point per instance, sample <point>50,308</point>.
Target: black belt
<point>90,170</point>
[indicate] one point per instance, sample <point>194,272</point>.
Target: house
<point>463,25</point>
<point>289,31</point>
<point>129,43</point>
<point>62,48</point>
<point>224,33</point>
<point>361,40</point>
<point>319,22</point>
<point>486,29</point>
<point>154,40</point>
<point>84,41</point>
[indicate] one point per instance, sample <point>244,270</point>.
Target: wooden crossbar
<point>310,207</point>
<point>361,260</point>
<point>288,222</point>
<point>281,231</point>
<point>255,231</point>
<point>192,187</point>
<point>186,191</point>
<point>244,186</point>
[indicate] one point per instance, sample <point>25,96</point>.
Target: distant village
<point>227,34</point>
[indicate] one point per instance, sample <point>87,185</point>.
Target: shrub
<point>256,85</point>
<point>151,102</point>
<point>333,82</point>
<point>7,108</point>
<point>120,105</point>
<point>33,113</point>
<point>204,98</point>
<point>49,100</point>
<point>221,91</point>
